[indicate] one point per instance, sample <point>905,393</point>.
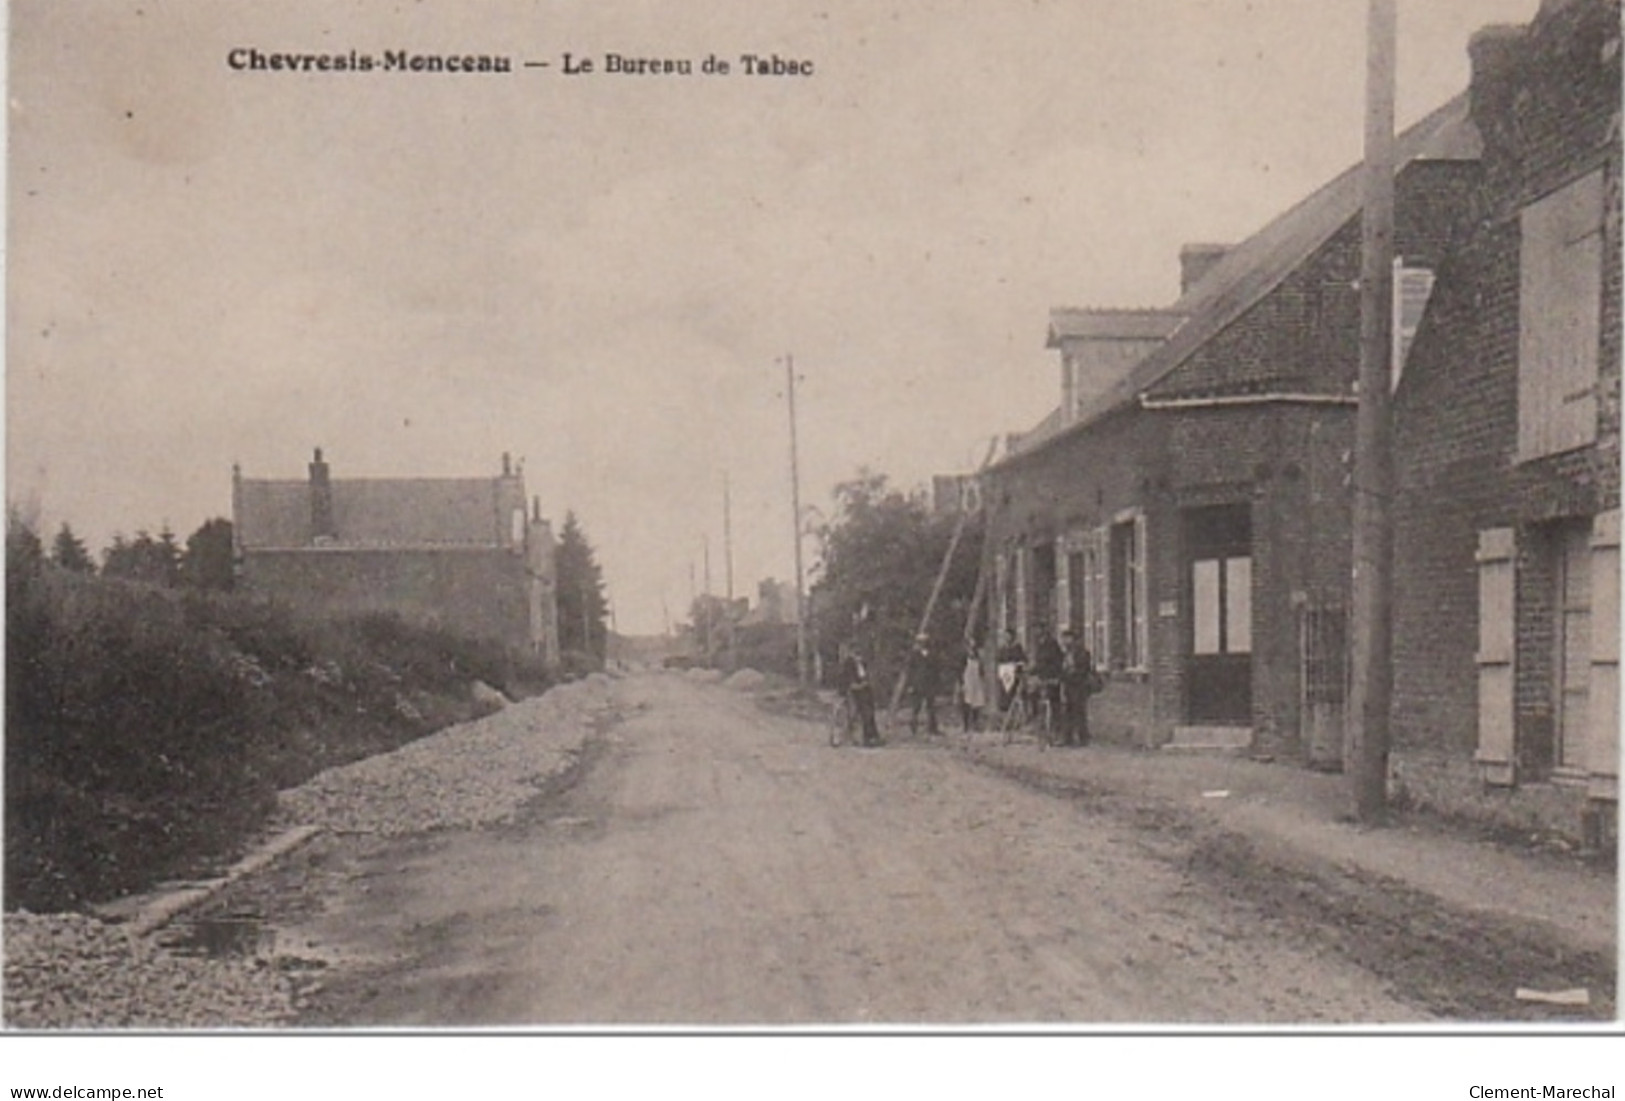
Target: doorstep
<point>1211,739</point>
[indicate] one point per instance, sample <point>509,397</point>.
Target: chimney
<point>1494,54</point>
<point>507,465</point>
<point>1195,260</point>
<point>536,508</point>
<point>321,501</point>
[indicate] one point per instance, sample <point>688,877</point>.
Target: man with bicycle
<point>854,682</point>
<point>1048,661</point>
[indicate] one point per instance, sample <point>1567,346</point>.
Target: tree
<point>583,608</point>
<point>68,551</point>
<point>154,561</point>
<point>711,618</point>
<point>878,559</point>
<point>24,551</point>
<point>207,562</point>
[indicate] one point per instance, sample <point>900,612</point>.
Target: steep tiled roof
<point>1257,265</point>
<point>369,512</point>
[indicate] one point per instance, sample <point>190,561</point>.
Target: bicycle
<point>1032,704</point>
<point>842,717</point>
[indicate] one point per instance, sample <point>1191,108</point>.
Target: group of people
<point>1063,669</point>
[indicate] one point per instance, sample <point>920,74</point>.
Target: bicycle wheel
<point>1015,718</point>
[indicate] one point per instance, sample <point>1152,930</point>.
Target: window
<point>1126,595</point>
<point>1044,607</point>
<point>1222,605</point>
<point>1087,577</point>
<point>1559,307</point>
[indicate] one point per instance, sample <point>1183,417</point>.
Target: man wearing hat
<point>922,685</point>
<point>1077,682</point>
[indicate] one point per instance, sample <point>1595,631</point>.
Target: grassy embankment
<point>149,729</point>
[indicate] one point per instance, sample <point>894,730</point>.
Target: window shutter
<point>1559,313</point>
<point>1063,585</point>
<point>1604,734</point>
<point>1021,593</point>
<point>1103,598</point>
<point>1412,288</point>
<point>1496,646</point>
<point>1142,621</point>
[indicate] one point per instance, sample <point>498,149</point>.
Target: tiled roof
<point>1256,266</point>
<point>369,512</point>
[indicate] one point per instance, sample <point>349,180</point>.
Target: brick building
<point>460,552</point>
<point>1186,508</point>
<point>1507,426</point>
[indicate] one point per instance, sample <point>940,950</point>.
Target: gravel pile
<point>470,775</point>
<point>73,971</point>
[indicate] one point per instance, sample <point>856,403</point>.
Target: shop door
<point>1219,576</point>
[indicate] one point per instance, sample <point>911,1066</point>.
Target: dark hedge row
<point>149,729</point>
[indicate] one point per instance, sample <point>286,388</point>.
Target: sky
<point>603,273</point>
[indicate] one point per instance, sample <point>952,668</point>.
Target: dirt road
<point>709,864</point>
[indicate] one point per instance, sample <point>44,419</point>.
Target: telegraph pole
<point>705,545</point>
<point>728,569</point>
<point>1371,694</point>
<point>795,508</point>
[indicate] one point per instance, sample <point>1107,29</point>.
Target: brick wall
<point>1284,462</point>
<point>1304,334</point>
<point>1081,482</point>
<point>1547,104</point>
<point>476,592</point>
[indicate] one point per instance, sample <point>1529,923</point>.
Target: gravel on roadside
<point>74,971</point>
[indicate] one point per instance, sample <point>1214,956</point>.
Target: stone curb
<point>145,914</point>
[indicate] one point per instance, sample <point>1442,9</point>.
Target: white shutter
<point>1496,645</point>
<point>1063,585</point>
<point>1141,655</point>
<point>1412,288</point>
<point>1103,598</point>
<point>1021,594</point>
<point>1559,313</point>
<point>1603,741</point>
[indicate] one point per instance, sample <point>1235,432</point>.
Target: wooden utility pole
<point>710,605</point>
<point>942,577</point>
<point>795,519</point>
<point>728,570</point>
<point>1371,693</point>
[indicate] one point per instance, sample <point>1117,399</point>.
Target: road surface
<point>710,864</point>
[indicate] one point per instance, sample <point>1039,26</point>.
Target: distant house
<point>1507,437</point>
<point>459,552</point>
<point>775,603</point>
<point>1186,509</point>
<point>952,494</point>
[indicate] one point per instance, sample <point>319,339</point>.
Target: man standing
<point>1077,682</point>
<point>855,683</point>
<point>1049,663</point>
<point>922,685</point>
